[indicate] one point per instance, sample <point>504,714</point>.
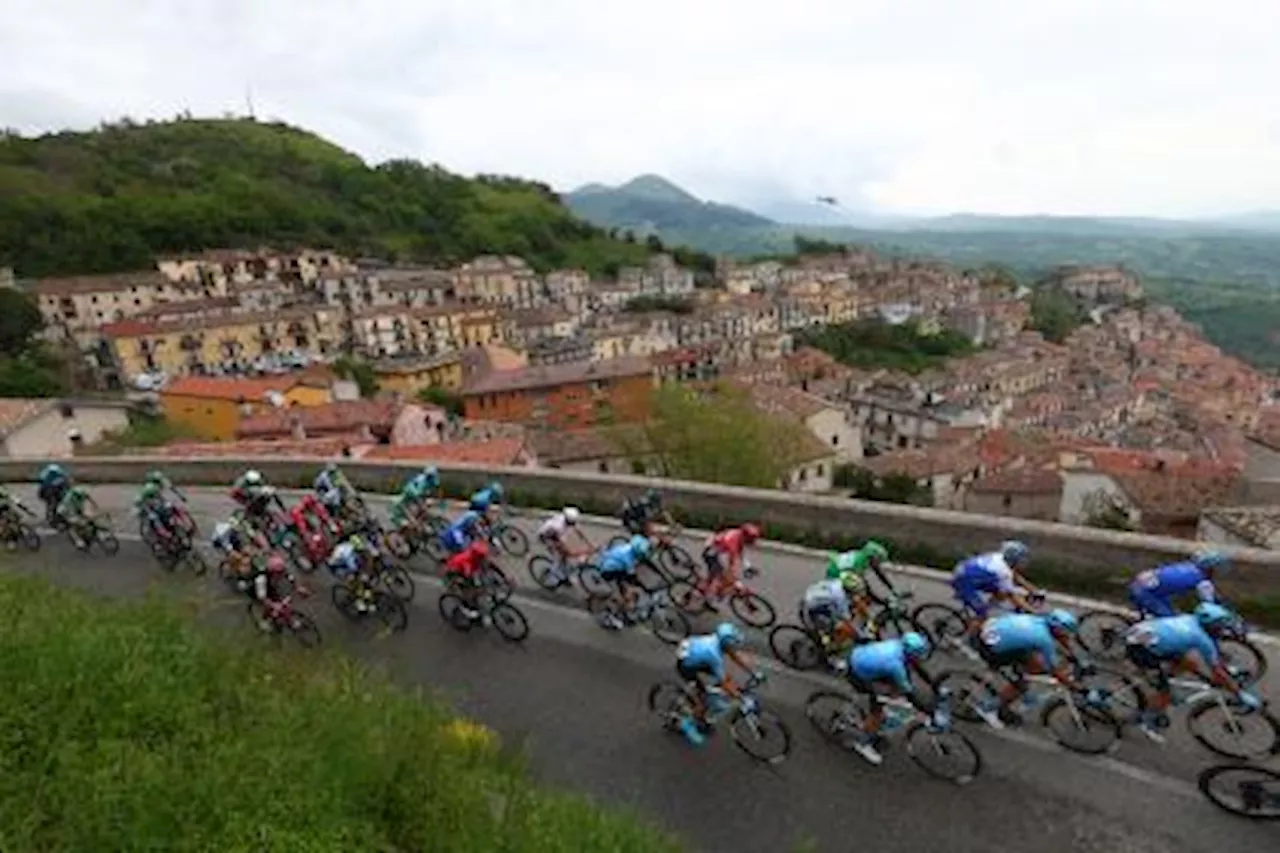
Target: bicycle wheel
<point>1232,732</point>
<point>304,630</point>
<point>1102,632</point>
<point>761,735</point>
<point>678,563</point>
<point>29,538</point>
<point>344,599</point>
<point>1250,792</point>
<point>941,623</point>
<point>513,540</point>
<point>1081,728</point>
<point>497,583</point>
<point>944,754</point>
<point>398,582</point>
<point>398,545</point>
<point>688,598</point>
<point>1247,662</point>
<point>510,622</point>
<point>888,625</point>
<point>1127,699</point>
<point>795,647</point>
<point>435,550</point>
<point>670,703</point>
<point>454,612</point>
<point>107,541</point>
<point>260,619</point>
<point>592,582</point>
<point>668,625</point>
<point>390,611</point>
<point>835,715</point>
<point>969,691</point>
<point>543,571</point>
<point>753,609</point>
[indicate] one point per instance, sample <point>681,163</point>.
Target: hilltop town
<point>1132,421</point>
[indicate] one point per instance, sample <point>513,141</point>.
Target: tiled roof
<point>220,388</point>
<point>135,328</point>
<point>497,451</point>
<point>585,445</point>
<point>549,376</point>
<point>1024,481</point>
<point>346,416</point>
<point>936,459</point>
<point>790,402</point>
<point>100,283</point>
<point>1175,497</point>
<point>16,411</point>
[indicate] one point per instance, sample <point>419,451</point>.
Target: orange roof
<point>228,388</point>
<point>497,451</point>
<point>345,416</point>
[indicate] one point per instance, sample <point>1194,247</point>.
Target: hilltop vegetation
<point>652,204</point>
<point>113,198</point>
<point>874,343</point>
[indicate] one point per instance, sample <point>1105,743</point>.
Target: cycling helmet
<point>276,564</point>
<point>53,469</point>
<point>1210,560</point>
<point>1062,620</point>
<point>432,472</point>
<point>750,532</point>
<point>78,491</point>
<point>253,478</point>
<point>220,530</point>
<point>640,546</point>
<point>495,489</point>
<point>150,490</point>
<point>874,551</point>
<point>851,582</point>
<point>155,476</point>
<point>571,514</point>
<point>653,498</point>
<point>331,468</point>
<point>833,565</point>
<point>915,645</point>
<point>1211,615</point>
<point>1013,551</point>
<point>729,635</point>
<point>480,548</point>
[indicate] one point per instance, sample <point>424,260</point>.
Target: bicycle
<point>13,530</point>
<point>758,733</point>
<point>1258,790</point>
<point>1102,634</point>
<point>552,572</point>
<point>651,606</point>
<point>87,532</point>
<point>671,561</point>
<point>358,600</point>
<point>493,580</point>
<point>749,606</point>
<point>276,617</point>
<point>803,647</point>
<point>508,538</point>
<point>947,627</point>
<point>503,615</point>
<point>839,717</point>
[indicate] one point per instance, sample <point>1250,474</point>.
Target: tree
<point>875,343</point>
<point>716,437</point>
<point>19,322</point>
<point>440,396</point>
<point>361,372</point>
<point>1054,313</point>
<point>894,487</point>
<point>26,376</point>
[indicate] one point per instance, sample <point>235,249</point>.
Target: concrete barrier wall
<point>930,536</point>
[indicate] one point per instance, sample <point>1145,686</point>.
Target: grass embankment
<point>129,727</point>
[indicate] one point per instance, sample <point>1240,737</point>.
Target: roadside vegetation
<point>127,727</point>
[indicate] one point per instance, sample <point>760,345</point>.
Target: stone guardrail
<point>1074,556</point>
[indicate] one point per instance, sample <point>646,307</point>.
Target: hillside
<point>649,204</point>
<point>113,198</point>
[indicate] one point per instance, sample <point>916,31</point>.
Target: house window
<point>820,470</point>
<point>835,441</point>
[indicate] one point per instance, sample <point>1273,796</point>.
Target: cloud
<point>1089,106</point>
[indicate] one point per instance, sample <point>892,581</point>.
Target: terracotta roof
<point>347,416</point>
<point>497,451</point>
<point>549,376</point>
<point>1024,481</point>
<point>220,388</point>
<point>100,283</point>
<point>1175,497</point>
<point>587,445</point>
<point>417,364</point>
<point>17,411</point>
<point>135,328</point>
<point>790,402</point>
<point>927,462</point>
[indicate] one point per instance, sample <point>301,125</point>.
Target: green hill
<point>113,198</point>
<point>652,204</point>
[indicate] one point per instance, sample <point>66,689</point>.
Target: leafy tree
<point>892,488</point>
<point>440,396</point>
<point>27,376</point>
<point>1054,314</point>
<point>808,246</point>
<point>19,321</point>
<point>875,343</point>
<point>361,372</point>
<point>716,437</point>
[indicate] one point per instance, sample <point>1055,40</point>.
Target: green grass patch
<point>126,726</point>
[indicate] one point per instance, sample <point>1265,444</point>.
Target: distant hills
<point>652,204</point>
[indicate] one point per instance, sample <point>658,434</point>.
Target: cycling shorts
<point>1148,602</point>
<point>696,674</point>
<point>972,597</point>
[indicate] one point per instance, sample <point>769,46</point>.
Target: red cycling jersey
<point>731,542</point>
<point>309,506</point>
<point>467,562</point>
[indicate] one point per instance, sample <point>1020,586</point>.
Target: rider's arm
<point>921,701</point>
<point>883,578</point>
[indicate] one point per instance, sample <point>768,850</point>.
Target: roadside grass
<point>126,726</point>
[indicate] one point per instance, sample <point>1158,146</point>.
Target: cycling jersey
<point>329,487</point>
<point>730,542</point>
<point>554,527</point>
<point>1171,638</point>
<point>72,503</point>
<point>420,486</point>
<point>1018,636</point>
<point>882,661</point>
<point>482,500</point>
<point>702,654</point>
<point>399,511</point>
<point>467,562</point>
<point>849,562</point>
<point>636,515</point>
<point>975,579</point>
<point>1151,591</point>
<point>619,560</point>
<point>827,596</point>
<point>460,532</point>
<point>227,538</point>
<point>345,560</point>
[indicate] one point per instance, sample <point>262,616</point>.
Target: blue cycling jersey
<point>1020,634</point>
<point>703,652</point>
<point>1173,637</point>
<point>422,483</point>
<point>1171,580</point>
<point>619,559</point>
<point>483,499</point>
<point>460,531</point>
<point>984,573</point>
<point>885,660</point>
<point>51,476</point>
<point>344,561</point>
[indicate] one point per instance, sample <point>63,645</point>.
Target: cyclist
<point>274,582</point>
<point>487,501</point>
<point>77,507</point>
<point>996,576</point>
<point>1022,644</point>
<point>553,531</point>
<point>723,556</point>
<point>350,563</point>
<point>618,566</point>
<point>1151,591</point>
<point>237,541</point>
<point>333,489</point>
<point>467,565</point>
<point>158,512</point>
<point>872,555</point>
<point>309,508</point>
<point>462,531</point>
<point>829,606</point>
<point>10,506</point>
<point>161,481</point>
<point>886,665</point>
<point>700,663</point>
<point>51,484</point>
<point>639,515</point>
<point>421,487</point>
<point>1165,645</point>
<point>252,492</point>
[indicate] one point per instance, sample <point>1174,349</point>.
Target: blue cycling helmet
<point>1210,560</point>
<point>639,546</point>
<point>495,489</point>
<point>432,472</point>
<point>915,645</point>
<point>1062,620</point>
<point>1211,615</point>
<point>729,635</point>
<point>1013,551</point>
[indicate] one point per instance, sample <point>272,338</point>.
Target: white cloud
<point>1070,106</point>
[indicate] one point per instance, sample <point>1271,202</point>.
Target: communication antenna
<point>248,100</point>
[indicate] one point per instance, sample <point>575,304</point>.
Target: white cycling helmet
<point>571,514</point>
<point>253,478</point>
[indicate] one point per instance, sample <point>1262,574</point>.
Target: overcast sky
<point>1165,107</point>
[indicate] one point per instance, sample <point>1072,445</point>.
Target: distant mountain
<point>1258,220</point>
<point>651,203</point>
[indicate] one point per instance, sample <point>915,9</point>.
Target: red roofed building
<point>563,395</point>
<point>212,407</point>
<point>381,421</point>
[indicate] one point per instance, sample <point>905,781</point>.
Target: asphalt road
<point>573,695</point>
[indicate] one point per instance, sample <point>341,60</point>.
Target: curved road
<point>573,696</point>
